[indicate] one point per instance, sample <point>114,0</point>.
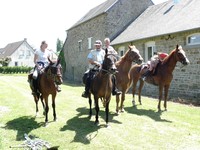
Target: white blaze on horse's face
<point>185,61</point>
<point>140,59</point>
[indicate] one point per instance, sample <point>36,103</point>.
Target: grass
<point>140,127</point>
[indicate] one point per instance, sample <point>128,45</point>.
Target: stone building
<point>150,28</point>
<point>160,28</point>
<point>106,20</point>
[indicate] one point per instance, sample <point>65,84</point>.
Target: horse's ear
<point>129,47</point>
<point>58,62</point>
<point>50,60</point>
<point>106,50</point>
<point>177,46</point>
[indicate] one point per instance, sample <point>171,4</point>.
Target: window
<point>193,39</point>
<point>16,63</point>
<point>121,51</point>
<point>149,50</point>
<point>89,43</point>
<point>28,54</point>
<point>80,45</point>
<point>21,54</point>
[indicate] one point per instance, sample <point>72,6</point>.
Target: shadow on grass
<point>23,125</point>
<point>155,115</point>
<point>85,128</point>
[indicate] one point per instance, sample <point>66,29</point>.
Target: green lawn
<point>139,128</point>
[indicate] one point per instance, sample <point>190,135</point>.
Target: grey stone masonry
<point>109,23</point>
<point>186,80</point>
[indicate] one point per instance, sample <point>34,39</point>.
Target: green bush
<point>15,69</point>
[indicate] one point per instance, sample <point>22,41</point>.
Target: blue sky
<point>39,20</point>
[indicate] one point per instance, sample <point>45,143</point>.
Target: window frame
<point>89,43</point>
<point>192,35</point>
<point>121,49</point>
<point>152,45</point>
<point>80,46</point>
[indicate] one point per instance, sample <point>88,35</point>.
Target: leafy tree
<point>59,45</point>
<point>60,52</point>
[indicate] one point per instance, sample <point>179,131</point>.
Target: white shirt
<point>96,55</point>
<point>111,50</point>
<point>43,56</point>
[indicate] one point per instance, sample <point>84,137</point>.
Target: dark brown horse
<point>122,76</point>
<point>162,76</point>
<point>101,86</point>
<point>46,82</point>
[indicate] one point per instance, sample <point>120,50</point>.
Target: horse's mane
<point>166,59</point>
<point>124,57</point>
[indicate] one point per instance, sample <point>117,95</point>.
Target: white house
<point>20,53</point>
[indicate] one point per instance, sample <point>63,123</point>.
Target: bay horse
<point>47,83</point>
<point>162,77</point>
<point>101,86</point>
<point>122,76</point>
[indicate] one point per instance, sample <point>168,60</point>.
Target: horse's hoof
<point>133,102</point>
<point>55,119</point>
<point>122,110</point>
<point>96,123</point>
<point>107,125</point>
<point>46,124</point>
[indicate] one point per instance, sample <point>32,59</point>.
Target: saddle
<point>144,68</point>
<point>34,83</point>
<point>90,74</point>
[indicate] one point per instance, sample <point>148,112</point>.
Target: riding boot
<point>33,85</point>
<point>145,75</point>
<point>85,94</point>
<point>58,88</point>
<point>115,91</point>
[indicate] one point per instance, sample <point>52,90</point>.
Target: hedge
<point>15,69</point>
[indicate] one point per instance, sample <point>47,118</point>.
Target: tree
<point>60,53</point>
<point>59,45</point>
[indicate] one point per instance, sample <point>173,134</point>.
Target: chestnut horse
<point>46,84</point>
<point>101,86</point>
<point>122,76</point>
<point>162,76</point>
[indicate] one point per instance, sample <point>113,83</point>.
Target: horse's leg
<point>122,101</point>
<point>36,103</point>
<point>140,90</point>
<point>134,91</point>
<point>46,109</point>
<point>97,110</point>
<point>107,110</point>
<point>117,104</point>
<point>90,104</point>
<point>54,106</point>
<point>160,96</point>
<point>166,95</point>
<point>41,98</point>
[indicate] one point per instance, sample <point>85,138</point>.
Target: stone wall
<point>186,80</point>
<point>108,24</point>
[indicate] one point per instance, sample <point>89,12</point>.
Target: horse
<point>101,86</point>
<point>122,75</point>
<point>162,76</point>
<point>47,83</point>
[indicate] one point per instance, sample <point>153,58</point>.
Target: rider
<point>95,58</point>
<point>158,56</point>
<point>111,50</point>
<point>41,61</point>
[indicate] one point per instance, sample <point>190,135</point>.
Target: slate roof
<point>9,49</point>
<point>162,19</point>
<point>98,10</point>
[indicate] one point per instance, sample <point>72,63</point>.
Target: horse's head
<point>54,70</point>
<point>180,55</point>
<point>134,55</point>
<point>109,63</point>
